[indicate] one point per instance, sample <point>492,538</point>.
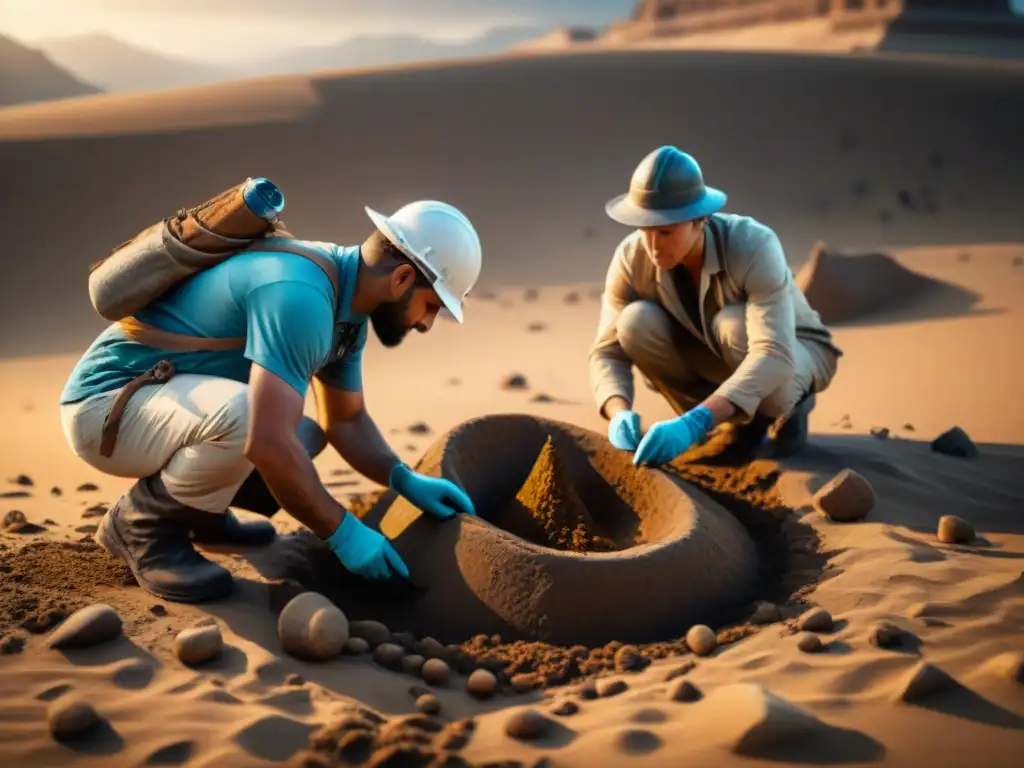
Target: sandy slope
<point>860,151</point>
<point>928,365</point>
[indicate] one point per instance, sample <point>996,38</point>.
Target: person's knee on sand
<point>645,334</point>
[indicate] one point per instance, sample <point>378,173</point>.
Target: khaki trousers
<point>191,429</point>
<point>685,371</point>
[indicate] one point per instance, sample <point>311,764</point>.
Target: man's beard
<point>388,321</point>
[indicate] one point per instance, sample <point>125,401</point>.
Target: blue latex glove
<point>624,430</point>
<point>667,439</point>
<point>441,498</point>
<point>364,551</point>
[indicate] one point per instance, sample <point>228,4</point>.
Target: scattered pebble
<point>199,645</point>
<point>356,646</point>
<point>436,672</point>
<point>412,664</point>
<point>95,510</point>
<point>88,487</point>
<point>885,634</point>
<point>587,691</point>
<point>808,642</point>
<point>428,704</point>
<point>955,530</point>
<point>526,681</point>
<point>766,613</point>
<point>158,610</point>
<point>701,640</point>
<point>683,669</point>
<point>311,627</point>
<point>685,691</point>
<point>295,679</point>
<point>882,433</point>
<point>389,655</point>
<point>15,521</point>
<point>572,297</point>
<point>420,428</point>
<point>373,632</point>
<point>566,708</point>
<point>845,498</point>
<point>531,294</point>
<point>56,491</point>
<point>815,620</point>
<point>536,327</point>
<point>908,427</point>
<point>606,687</point>
<point>70,716</point>
<point>88,626</point>
<point>955,442</point>
<point>23,480</point>
<point>629,659</point>
<point>514,381</point>
<point>527,724</point>
<point>482,684</point>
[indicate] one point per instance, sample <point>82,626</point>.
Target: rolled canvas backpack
<point>139,271</point>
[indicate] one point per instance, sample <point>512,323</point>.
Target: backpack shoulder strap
<point>177,342</point>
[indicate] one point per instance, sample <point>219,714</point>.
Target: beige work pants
<point>685,371</point>
<point>191,430</point>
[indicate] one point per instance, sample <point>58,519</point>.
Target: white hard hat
<point>441,242</point>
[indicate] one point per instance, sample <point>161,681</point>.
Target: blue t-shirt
<point>282,303</point>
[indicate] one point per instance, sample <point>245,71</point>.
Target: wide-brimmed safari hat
<point>667,188</point>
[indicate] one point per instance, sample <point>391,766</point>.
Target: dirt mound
<point>43,582</point>
<point>555,516</point>
<point>672,557</point>
<point>846,287</point>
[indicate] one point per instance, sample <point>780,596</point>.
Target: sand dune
<point>530,147</point>
<point>28,75</point>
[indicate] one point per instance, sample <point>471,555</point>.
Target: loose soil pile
<point>548,511</point>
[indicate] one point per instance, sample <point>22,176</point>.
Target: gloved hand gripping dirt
<point>364,551</point>
<point>441,498</point>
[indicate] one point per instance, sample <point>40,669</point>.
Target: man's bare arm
<point>275,410</point>
<point>352,432</point>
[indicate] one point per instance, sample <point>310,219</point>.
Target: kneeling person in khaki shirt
<point>703,303</point>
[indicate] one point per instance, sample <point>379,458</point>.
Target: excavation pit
<point>571,545</point>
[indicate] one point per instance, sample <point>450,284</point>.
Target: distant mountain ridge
<point>28,75</point>
<point>119,66</point>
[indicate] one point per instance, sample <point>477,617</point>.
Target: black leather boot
<point>790,432</point>
<point>254,496</point>
<point>149,530</point>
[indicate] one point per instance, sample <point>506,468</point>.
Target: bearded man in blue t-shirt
<point>226,428</point>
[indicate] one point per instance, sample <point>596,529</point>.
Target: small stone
<point>808,642</point>
<point>683,669</point>
<point>206,621</point>
<point>885,634</point>
<point>436,672</point>
<point>24,480</point>
<point>530,294</point>
<point>684,690</point>
<point>514,381</point>
<point>14,521</point>
<point>908,427</point>
<point>158,610</point>
<point>606,688</point>
<point>882,433</point>
<point>11,644</point>
<point>412,664</point>
<point>70,716</point>
<point>482,684</point>
<point>373,632</point>
<point>955,442</point>
<point>845,498</point>
<point>428,704</point>
<point>922,682</point>
<point>572,297</point>
<point>356,646</point>
<point>566,708</point>
<point>389,655</point>
<point>955,530</point>
<point>701,639</point>
<point>527,724</point>
<point>430,648</point>
<point>312,628</point>
<point>88,626</point>
<point>587,691</point>
<point>199,645</point>
<point>815,620</point>
<point>56,491</point>
<point>88,487</point>
<point>295,679</point>
<point>766,613</point>
<point>524,682</point>
<point>629,659</point>
<point>420,428</point>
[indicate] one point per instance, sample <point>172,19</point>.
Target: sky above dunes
<point>240,29</point>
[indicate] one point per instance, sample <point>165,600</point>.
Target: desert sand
<point>919,658</point>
